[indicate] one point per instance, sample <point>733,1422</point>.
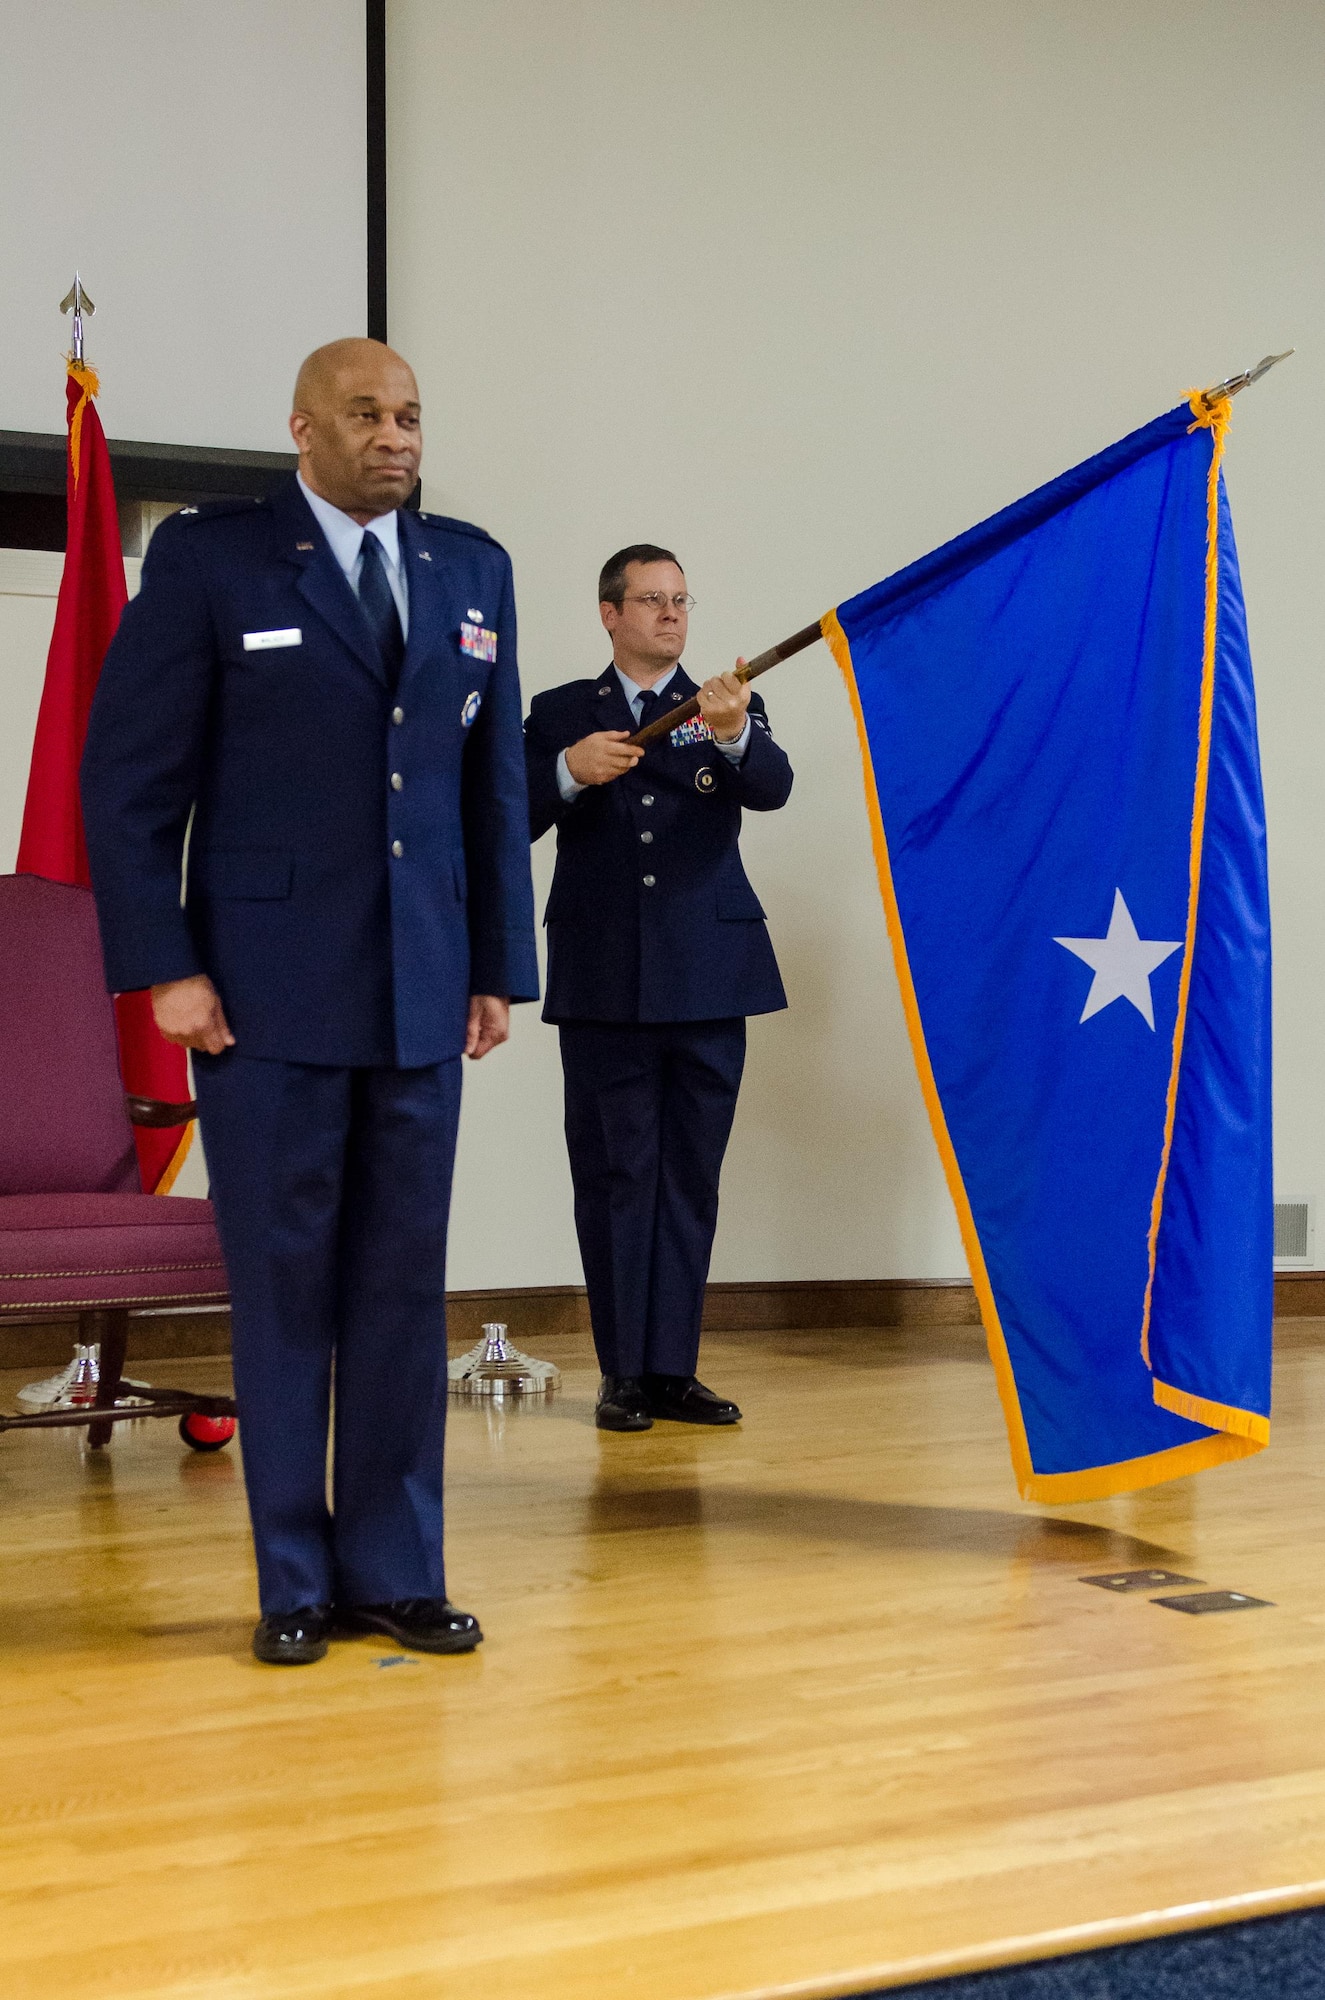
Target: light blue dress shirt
<point>346,540</point>
<point>634,693</point>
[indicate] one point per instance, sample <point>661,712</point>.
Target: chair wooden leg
<point>109,1327</point>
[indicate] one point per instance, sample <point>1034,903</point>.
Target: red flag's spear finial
<point>77,302</point>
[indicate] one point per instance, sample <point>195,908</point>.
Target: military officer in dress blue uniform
<point>657,951</point>
<point>325,686</point>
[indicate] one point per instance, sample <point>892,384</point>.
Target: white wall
<point>799,291</point>
<point>802,291</point>
<point>203,166</point>
<point>204,169</point>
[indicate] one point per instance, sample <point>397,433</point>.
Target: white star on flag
<point>1122,963</point>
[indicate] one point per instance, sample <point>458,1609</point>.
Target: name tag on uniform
<point>478,642</point>
<point>262,642</point>
<point>694,731</point>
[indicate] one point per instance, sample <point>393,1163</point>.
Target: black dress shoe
<point>424,1624</point>
<point>293,1638</point>
<point>683,1399</point>
<point>622,1405</point>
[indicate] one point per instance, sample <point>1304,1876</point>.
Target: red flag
<point>92,596</point>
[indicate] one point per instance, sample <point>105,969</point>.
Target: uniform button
<point>397,716</point>
<point>397,848</point>
<point>646,838</point>
<point>647,800</point>
<point>649,881</point>
<point>397,782</point>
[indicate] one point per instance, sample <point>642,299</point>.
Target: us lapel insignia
<point>478,642</point>
<point>704,780</point>
<point>473,703</point>
<point>425,555</point>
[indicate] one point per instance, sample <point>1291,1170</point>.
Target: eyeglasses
<point>658,600</point>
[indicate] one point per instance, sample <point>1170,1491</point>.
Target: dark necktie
<point>379,608</point>
<point>649,704</point>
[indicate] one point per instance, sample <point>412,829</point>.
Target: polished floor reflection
<point>803,1707</point>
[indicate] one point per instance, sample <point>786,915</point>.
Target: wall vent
<point>1294,1232</point>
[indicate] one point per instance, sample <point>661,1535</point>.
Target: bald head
<point>356,425</point>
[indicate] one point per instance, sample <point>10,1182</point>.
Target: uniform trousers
<point>332,1190</point>
<point>649,1110</point>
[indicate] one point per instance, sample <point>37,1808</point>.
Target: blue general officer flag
<point>1058,728</point>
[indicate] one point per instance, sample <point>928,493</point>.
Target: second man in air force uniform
<point>657,951</point>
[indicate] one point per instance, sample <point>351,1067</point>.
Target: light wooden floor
<point>795,1709</point>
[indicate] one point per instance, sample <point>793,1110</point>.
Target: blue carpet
<point>1273,1958</point>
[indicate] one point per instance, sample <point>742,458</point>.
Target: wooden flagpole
<point>663,725</point>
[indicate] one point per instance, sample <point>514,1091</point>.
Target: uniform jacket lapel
<point>608,705</point>
<point>612,711</point>
<point>424,588</point>
<point>321,582</point>
<point>678,690</point>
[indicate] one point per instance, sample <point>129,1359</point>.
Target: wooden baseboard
<point>540,1312</point>
<point>792,1306</point>
<point>164,1336</point>
<point>822,1303</point>
<point>530,1314</point>
<point>1299,1294</point>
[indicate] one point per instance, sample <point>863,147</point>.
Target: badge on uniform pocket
<point>704,779</point>
<point>478,642</point>
<point>473,703</point>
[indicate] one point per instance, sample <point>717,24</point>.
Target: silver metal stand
<point>74,1386</point>
<point>493,1367</point>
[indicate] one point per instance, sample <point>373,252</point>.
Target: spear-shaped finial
<point>1231,384</point>
<point>77,302</point>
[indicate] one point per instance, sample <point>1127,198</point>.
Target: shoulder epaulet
<point>212,510</point>
<point>457,527</point>
<point>586,686</point>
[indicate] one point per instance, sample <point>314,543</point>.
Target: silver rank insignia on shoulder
<point>704,780</point>
<point>479,643</point>
<point>473,703</point>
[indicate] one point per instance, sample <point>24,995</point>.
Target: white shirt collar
<point>632,689</point>
<point>346,536</point>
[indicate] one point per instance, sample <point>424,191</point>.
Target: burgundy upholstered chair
<point>77,1233</point>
